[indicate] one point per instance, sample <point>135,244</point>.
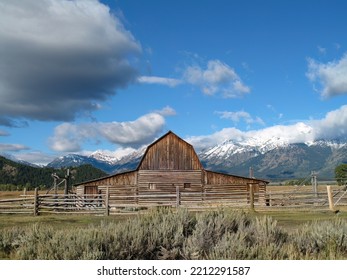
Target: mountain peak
<point>102,156</point>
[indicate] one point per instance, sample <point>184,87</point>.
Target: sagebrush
<point>169,234</point>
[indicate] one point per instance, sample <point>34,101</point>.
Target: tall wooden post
<point>137,195</point>
<point>251,196</point>
<point>107,206</point>
<point>36,202</point>
<point>314,183</point>
<point>330,198</point>
<point>178,196</point>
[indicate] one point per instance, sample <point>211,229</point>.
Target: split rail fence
<point>111,203</point>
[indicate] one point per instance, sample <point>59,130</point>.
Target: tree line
<point>16,176</point>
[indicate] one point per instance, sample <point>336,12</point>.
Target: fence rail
<point>107,203</point>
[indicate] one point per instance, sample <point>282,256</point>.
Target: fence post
<point>107,209</point>
<point>25,191</point>
<point>137,195</point>
<point>330,198</point>
<point>251,196</point>
<point>178,196</point>
<point>36,202</point>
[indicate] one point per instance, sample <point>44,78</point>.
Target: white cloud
<point>12,147</point>
<point>70,137</point>
<point>331,77</point>
<point>166,111</point>
<point>36,157</point>
<point>60,58</point>
<point>205,141</point>
<point>332,127</point>
<point>239,116</point>
<point>133,133</point>
<point>159,80</point>
<point>295,133</point>
<point>218,77</point>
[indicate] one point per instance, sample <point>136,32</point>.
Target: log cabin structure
<point>170,166</point>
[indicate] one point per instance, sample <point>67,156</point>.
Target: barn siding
<point>163,184</point>
<point>215,178</point>
<point>169,176</point>
<point>170,153</point>
<point>127,178</point>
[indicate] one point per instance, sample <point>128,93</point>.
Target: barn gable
<point>170,152</point>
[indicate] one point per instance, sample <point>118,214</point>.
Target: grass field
<point>288,219</point>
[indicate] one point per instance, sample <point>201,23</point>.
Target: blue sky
<point>79,76</point>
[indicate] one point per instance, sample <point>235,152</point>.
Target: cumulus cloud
<point>69,137</point>
<point>60,58</point>
<point>333,125</point>
<point>218,77</point>
<point>238,116</point>
<point>331,77</point>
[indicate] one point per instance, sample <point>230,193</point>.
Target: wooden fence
<point>113,203</point>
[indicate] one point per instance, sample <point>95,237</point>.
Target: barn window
<point>151,186</point>
<point>186,185</point>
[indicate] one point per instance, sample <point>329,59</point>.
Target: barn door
<point>255,191</point>
<point>91,190</point>
<point>91,195</point>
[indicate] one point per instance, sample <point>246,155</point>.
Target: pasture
<point>287,219</point>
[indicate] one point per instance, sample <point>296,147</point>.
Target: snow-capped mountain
<point>276,158</point>
<point>270,157</point>
<point>239,151</point>
<point>100,160</point>
<point>256,143</point>
<point>103,157</point>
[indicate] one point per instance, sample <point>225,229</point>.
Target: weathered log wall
<point>170,153</point>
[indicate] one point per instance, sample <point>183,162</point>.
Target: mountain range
<point>283,161</point>
<point>274,159</point>
<point>101,161</point>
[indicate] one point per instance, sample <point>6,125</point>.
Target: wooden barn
<point>168,168</point>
